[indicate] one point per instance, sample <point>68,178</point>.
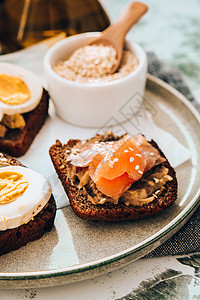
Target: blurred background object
<point>26,22</point>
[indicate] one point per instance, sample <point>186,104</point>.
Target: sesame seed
<point>138,154</point>
<point>116,159</point>
<point>111,166</point>
<point>111,162</point>
<point>156,180</point>
<point>137,167</point>
<point>125,150</point>
<point>140,172</point>
<point>131,159</point>
<point>131,149</point>
<point>151,153</point>
<point>96,62</point>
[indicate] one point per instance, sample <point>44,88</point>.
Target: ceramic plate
<point>76,249</point>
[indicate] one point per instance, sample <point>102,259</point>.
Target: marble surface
<point>171,30</point>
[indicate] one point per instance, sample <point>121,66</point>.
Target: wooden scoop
<point>115,34</point>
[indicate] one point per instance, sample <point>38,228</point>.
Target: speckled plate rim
<point>161,235</point>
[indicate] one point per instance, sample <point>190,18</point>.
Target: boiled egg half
<point>20,90</point>
<point>23,194</point>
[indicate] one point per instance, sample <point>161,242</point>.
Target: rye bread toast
<point>83,207</point>
<point>13,239</point>
<point>17,141</point>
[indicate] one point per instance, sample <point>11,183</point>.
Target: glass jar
<point>26,22</point>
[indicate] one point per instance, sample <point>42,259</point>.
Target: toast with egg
<point>39,221</point>
<point>153,192</point>
<point>17,141</point>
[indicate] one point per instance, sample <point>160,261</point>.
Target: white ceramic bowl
<point>93,104</point>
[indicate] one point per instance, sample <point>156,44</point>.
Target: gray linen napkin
<point>186,240</point>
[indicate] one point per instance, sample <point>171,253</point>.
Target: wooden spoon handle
<point>133,12</point>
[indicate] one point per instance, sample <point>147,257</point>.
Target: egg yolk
<point>13,90</point>
<point>12,186</point>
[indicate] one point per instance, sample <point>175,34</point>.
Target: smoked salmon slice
<point>115,165</point>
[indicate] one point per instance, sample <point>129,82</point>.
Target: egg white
<point>29,204</point>
<point>33,84</point>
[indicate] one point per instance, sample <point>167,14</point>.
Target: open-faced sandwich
<point>27,207</point>
<point>23,108</point>
<point>114,178</point>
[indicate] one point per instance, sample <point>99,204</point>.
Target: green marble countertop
<point>172,30</point>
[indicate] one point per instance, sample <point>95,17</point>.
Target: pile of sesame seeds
<point>93,64</point>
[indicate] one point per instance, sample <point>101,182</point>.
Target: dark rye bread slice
<point>13,239</point>
<point>17,141</point>
<point>109,212</point>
